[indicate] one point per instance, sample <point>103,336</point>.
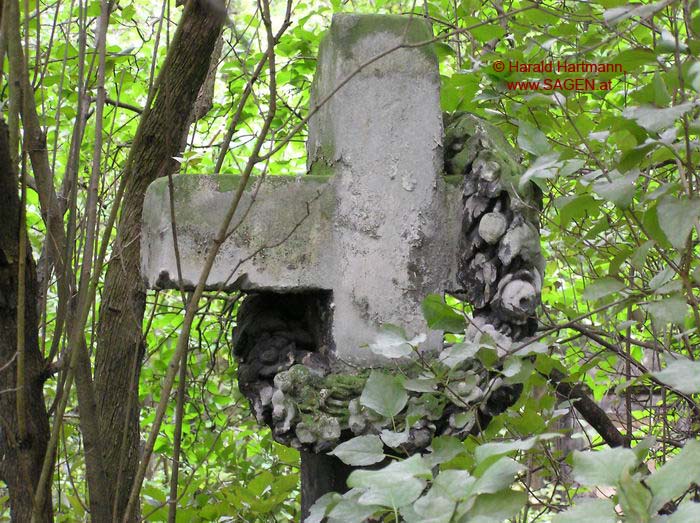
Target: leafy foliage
<point>621,309</point>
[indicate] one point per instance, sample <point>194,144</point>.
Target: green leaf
<point>669,310</point>
<point>421,384</point>
<point>676,217</point>
<point>633,59</point>
<point>321,507</point>
<point>384,394</point>
<point>674,478</point>
<point>393,439</point>
<point>618,14</point>
<point>661,96</point>
<point>695,70</point>
<point>688,511</point>
<point>602,467</point>
<point>433,508</point>
<point>393,492</point>
<point>531,347</point>
<point>454,484</point>
<point>441,316</point>
<point>489,508</point>
<point>415,466</point>
<point>351,510</point>
<point>545,167</point>
<point>532,140</point>
<point>459,352</point>
<point>601,288</point>
<point>638,259</point>
<point>619,190</point>
<point>499,448</point>
<point>396,485</point>
<point>577,207</point>
<point>498,476</point>
<point>392,342</point>
<point>635,499</point>
<point>682,375</point>
<point>655,119</point>
<point>444,448</point>
<point>360,451</point>
<point>589,511</point>
<point>485,33</point>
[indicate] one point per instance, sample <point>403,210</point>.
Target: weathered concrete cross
<point>375,222</point>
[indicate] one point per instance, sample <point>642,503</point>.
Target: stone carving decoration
<point>398,205</point>
<point>286,374</point>
<point>501,266</point>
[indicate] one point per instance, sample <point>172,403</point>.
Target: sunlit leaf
<point>360,451</point>
<point>384,394</point>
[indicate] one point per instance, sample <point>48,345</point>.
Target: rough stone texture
<point>264,252</point>
<point>289,379</point>
<point>285,370</point>
<point>384,231</point>
<point>501,267</point>
<point>329,258</point>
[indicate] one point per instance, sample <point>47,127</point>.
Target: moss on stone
<point>411,29</point>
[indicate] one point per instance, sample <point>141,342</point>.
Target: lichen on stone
<point>287,368</point>
<point>290,381</point>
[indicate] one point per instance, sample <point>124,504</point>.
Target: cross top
<point>374,223</point>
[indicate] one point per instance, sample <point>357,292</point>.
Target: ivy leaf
<point>602,467</point>
<point>384,394</point>
<point>682,375</point>
<point>441,316</point>
<point>589,511</point>
<point>676,219</point>
<point>360,451</point>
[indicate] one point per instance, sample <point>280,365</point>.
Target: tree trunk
<point>321,474</point>
<point>119,337</point>
<point>20,458</point>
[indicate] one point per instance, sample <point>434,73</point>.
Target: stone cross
<point>375,223</point>
<point>374,227</point>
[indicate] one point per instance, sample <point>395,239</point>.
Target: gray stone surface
<point>383,226</point>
